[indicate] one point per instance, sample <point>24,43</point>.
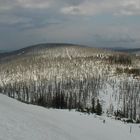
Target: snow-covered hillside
<point>19,121</point>
<point>72,77</point>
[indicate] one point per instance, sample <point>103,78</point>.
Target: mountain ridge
<point>56,47</point>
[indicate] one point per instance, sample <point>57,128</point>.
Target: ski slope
<point>19,121</point>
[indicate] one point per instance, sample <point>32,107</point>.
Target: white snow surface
<point>19,121</point>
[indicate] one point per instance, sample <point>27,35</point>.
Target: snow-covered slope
<point>19,121</point>
<point>48,74</point>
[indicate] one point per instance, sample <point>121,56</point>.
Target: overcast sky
<point>98,23</point>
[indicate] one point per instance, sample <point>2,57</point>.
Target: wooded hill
<point>73,77</point>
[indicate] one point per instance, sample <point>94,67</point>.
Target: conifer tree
<point>98,108</point>
<point>93,106</point>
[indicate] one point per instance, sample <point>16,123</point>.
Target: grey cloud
<point>34,21</point>
<point>94,7</point>
<point>72,2</point>
<point>20,17</point>
<point>124,38</point>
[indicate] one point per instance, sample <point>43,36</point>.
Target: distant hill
<point>127,50</point>
<point>2,51</point>
<point>53,50</point>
